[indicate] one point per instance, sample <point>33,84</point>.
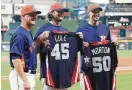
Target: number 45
<point>61,52</point>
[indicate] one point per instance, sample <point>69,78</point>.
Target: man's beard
<point>96,17</point>
<point>33,22</point>
<point>58,19</point>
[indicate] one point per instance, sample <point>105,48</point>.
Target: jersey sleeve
<point>43,65</point>
<point>17,47</point>
<point>80,29</point>
<point>39,31</point>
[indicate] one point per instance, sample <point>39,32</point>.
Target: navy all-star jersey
<point>23,47</point>
<point>99,64</point>
<point>61,61</point>
<point>45,27</point>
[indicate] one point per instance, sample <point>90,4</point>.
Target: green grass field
<point>125,53</point>
<point>124,81</point>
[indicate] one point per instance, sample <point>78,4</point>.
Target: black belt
<point>30,71</point>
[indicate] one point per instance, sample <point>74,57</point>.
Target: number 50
<point>101,63</point>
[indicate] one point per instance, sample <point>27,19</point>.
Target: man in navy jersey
<point>93,31</point>
<point>55,16</point>
<point>23,52</point>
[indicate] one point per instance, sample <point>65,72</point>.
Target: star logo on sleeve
<point>87,62</point>
<point>86,59</point>
<point>102,37</point>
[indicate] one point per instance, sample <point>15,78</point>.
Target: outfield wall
<point>71,25</point>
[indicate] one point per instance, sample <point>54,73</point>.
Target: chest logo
<point>32,47</point>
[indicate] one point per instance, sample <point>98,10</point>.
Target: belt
<point>29,71</point>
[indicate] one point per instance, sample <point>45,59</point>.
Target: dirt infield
<point>4,58</point>
<point>124,65</point>
<point>125,61</point>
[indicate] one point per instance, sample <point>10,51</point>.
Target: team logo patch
<point>46,43</point>
<point>87,62</point>
<point>86,59</point>
<point>102,37</point>
<point>31,49</point>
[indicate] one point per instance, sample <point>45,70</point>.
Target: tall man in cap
<point>55,16</point>
<point>23,52</point>
<point>93,31</point>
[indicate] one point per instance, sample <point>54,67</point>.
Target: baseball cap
<point>92,7</point>
<point>29,9</point>
<point>58,6</point>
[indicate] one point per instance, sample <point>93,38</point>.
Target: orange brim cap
<point>29,9</point>
<point>92,7</point>
<point>58,6</point>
